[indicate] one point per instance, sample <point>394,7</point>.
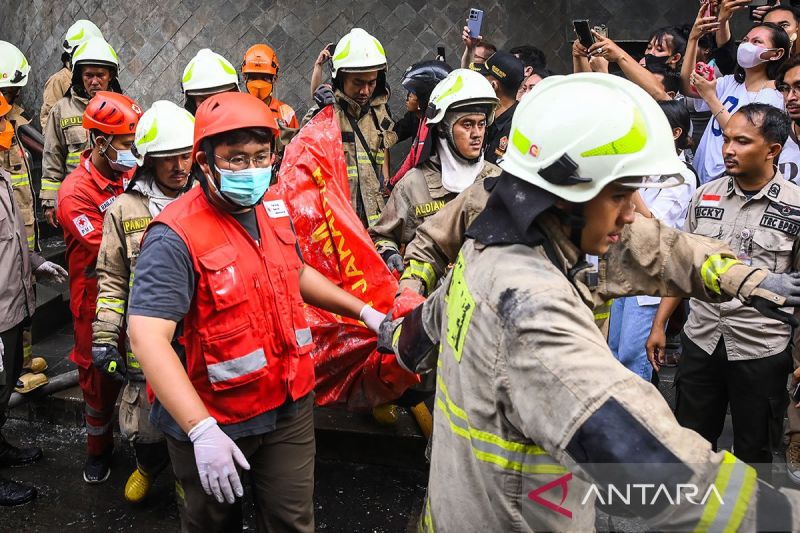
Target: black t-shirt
<point>497,135</point>
<point>164,285</point>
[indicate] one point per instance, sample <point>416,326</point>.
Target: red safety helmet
<point>231,111</point>
<point>260,58</point>
<point>112,114</point>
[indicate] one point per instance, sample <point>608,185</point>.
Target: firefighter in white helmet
<point>530,398</point>
<point>162,146</point>
<point>94,68</point>
<point>56,85</point>
<point>360,95</point>
<point>206,74</point>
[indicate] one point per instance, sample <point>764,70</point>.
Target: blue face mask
<point>244,187</point>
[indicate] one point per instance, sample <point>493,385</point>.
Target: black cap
<point>505,68</point>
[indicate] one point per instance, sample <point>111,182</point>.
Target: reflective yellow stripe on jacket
<point>735,484</point>
<point>49,184</point>
<point>20,180</point>
<point>714,267</point>
<point>423,271</point>
<point>73,158</point>
<point>489,448</point>
<point>112,304</point>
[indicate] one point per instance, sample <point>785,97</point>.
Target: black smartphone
<point>755,4</point>
<point>440,54</point>
<point>330,48</point>
<point>582,30</point>
<point>796,393</point>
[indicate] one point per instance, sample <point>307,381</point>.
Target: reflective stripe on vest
<point>492,449</point>
<point>236,368</point>
<point>735,484</point>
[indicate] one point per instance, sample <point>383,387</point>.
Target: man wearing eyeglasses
<point>220,272</point>
<point>788,83</point>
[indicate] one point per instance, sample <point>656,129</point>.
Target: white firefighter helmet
<point>79,33</point>
<point>358,51</point>
<point>95,51</point>
<point>461,88</point>
<point>208,73</point>
<point>14,68</point>
<point>573,135</point>
<point>164,130</point>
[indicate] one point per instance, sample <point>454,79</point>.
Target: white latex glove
<point>215,453</point>
<point>2,353</point>
<point>53,271</point>
<point>371,318</point>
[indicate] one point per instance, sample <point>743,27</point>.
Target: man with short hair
<point>506,73</point>
<point>57,85</point>
<point>86,195</point>
<point>95,67</point>
<point>732,354</point>
<point>360,96</point>
<point>788,83</point>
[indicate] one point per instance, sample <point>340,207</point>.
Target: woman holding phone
<point>759,57</point>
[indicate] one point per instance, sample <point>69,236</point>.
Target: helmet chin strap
<point>575,221</point>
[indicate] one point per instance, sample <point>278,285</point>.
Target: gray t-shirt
<point>163,287</point>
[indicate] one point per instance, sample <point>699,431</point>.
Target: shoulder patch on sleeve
<point>83,225</point>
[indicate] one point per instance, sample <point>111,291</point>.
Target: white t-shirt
<point>733,95</point>
<point>670,206</point>
<point>789,160</point>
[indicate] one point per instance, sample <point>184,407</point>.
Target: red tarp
<point>350,372</point>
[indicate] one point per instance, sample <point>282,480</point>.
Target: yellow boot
<point>138,486</point>
<point>385,415</point>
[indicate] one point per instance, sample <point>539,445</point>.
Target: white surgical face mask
<point>750,55</point>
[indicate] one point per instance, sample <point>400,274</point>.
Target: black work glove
<point>393,260</point>
<point>781,286</point>
<point>385,334</point>
<point>108,359</point>
<point>323,96</point>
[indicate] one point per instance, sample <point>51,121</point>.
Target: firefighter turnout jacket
<point>530,399</point>
<point>64,141</point>
<point>17,162</point>
<point>55,88</point>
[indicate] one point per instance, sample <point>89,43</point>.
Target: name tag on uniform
<point>276,209</point>
<point>105,205</point>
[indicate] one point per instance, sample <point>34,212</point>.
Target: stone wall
<point>156,39</point>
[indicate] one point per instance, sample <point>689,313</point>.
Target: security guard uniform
<point>731,352</point>
<point>416,197</point>
<point>64,141</point>
<point>55,88</point>
<point>520,313</point>
<point>17,162</point>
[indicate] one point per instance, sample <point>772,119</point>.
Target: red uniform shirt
<point>84,197</point>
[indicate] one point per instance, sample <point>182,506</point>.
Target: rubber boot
<point>151,459</point>
<point>385,415</point>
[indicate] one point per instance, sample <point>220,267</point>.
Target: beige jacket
<point>763,231</point>
<point>55,88</point>
<point>17,162</point>
<point>17,261</point>
<point>64,141</point>
<point>530,400</point>
<point>123,228</point>
<point>415,198</point>
<point>439,238</point>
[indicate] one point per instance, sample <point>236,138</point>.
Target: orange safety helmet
<point>112,114</point>
<point>5,107</point>
<point>260,59</point>
<point>230,111</point>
